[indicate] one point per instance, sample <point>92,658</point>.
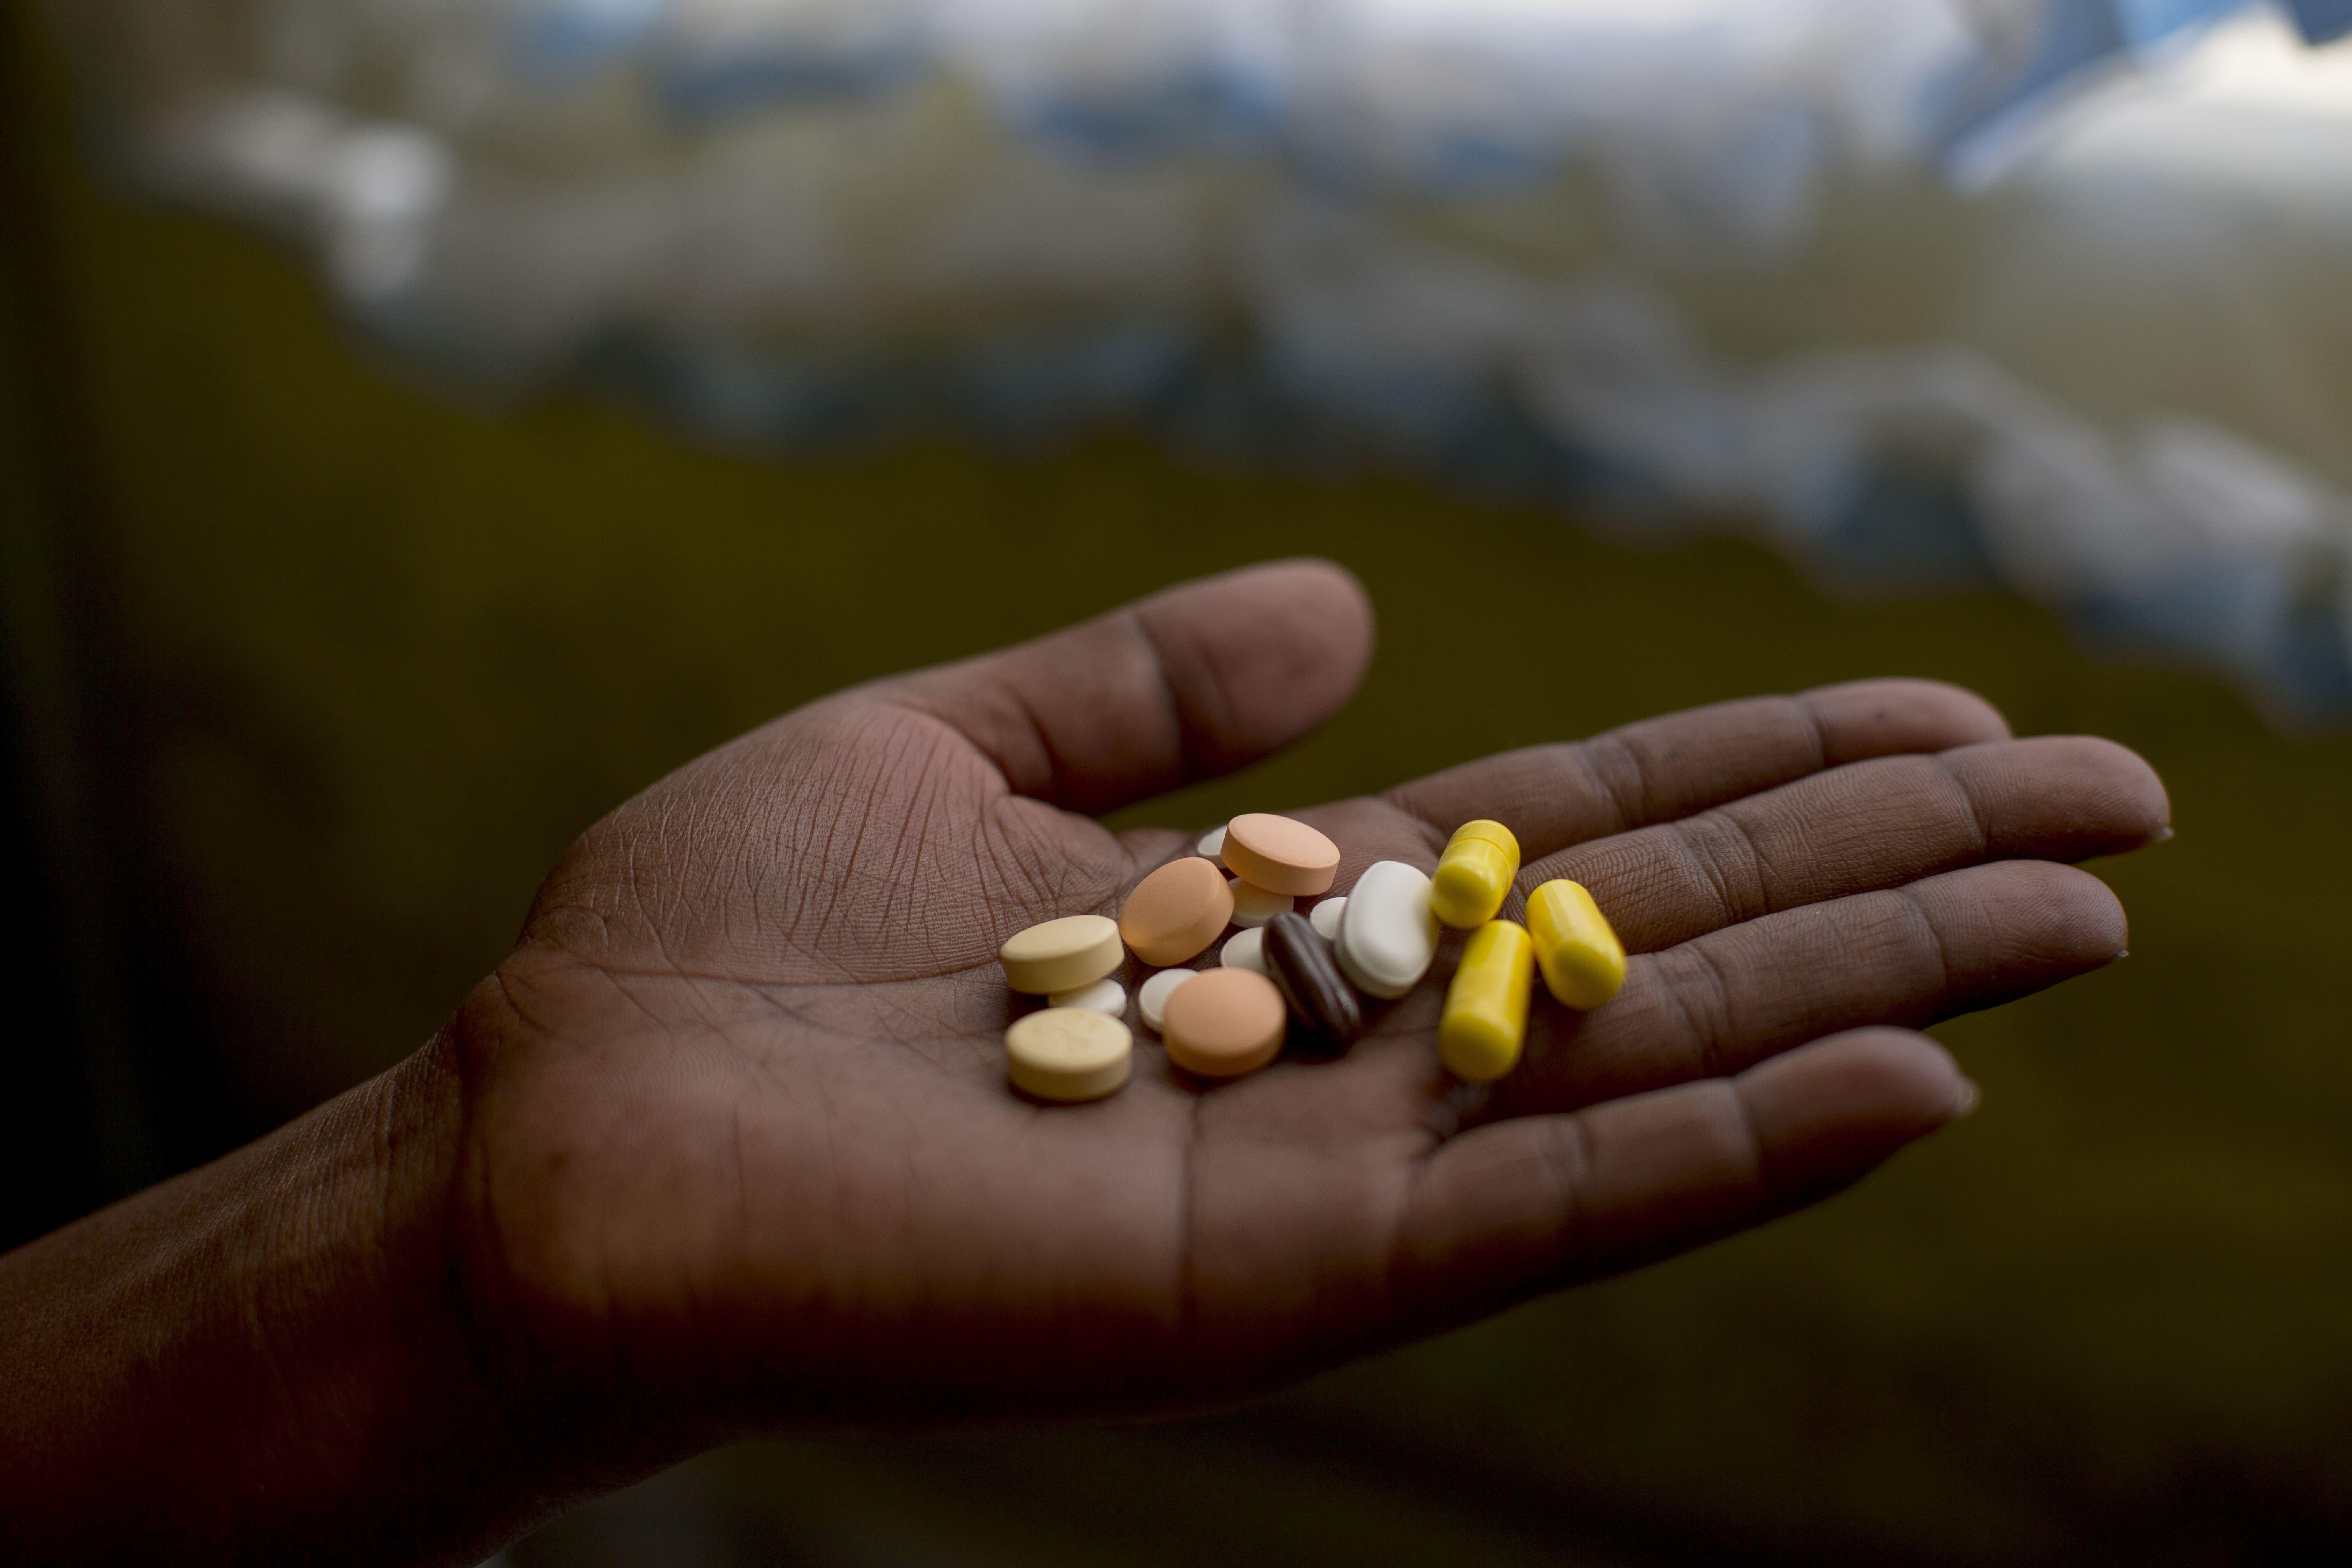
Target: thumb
<point>1195,681</point>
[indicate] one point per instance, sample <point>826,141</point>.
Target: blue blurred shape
<point>2150,22</point>
<point>1206,107</point>
<point>564,40</point>
<point>1996,108</point>
<point>1032,386</point>
<point>2321,21</point>
<point>1905,528</point>
<point>699,85</point>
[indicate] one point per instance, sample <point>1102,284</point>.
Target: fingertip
<point>1343,587</point>
<point>1826,1113</point>
<point>2062,797</point>
<point>1267,652</point>
<point>2137,803</point>
<point>1313,592</point>
<point>2069,913</point>
<point>1970,1097</point>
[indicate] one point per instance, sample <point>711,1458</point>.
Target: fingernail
<point>1966,1103</point>
<point>2162,835</point>
<point>2121,954</point>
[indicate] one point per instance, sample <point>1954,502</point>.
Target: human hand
<point>737,1150</point>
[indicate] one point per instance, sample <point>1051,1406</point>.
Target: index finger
<point>1659,770</point>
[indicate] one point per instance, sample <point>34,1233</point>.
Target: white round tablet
<point>1253,906</point>
<point>1211,846</point>
<point>1152,997</point>
<point>1245,951</point>
<point>1102,996</point>
<point>1325,918</point>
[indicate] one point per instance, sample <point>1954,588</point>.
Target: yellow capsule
<point>1486,1017</point>
<point>1474,874</point>
<point>1583,962</point>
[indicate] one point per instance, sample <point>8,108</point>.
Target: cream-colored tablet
<point>1069,1054</point>
<point>1253,906</point>
<point>1061,955</point>
<point>1388,933</point>
<point>1325,918</point>
<point>1224,1023</point>
<point>1280,854</point>
<point>1176,912</point>
<point>1211,846</point>
<point>1107,995</point>
<point>1151,997</point>
<point>1245,951</point>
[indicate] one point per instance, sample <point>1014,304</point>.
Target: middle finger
<point>1864,828</point>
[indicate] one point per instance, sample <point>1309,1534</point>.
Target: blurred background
<point>423,423</point>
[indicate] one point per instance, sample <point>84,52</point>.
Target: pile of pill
<point>1287,979</point>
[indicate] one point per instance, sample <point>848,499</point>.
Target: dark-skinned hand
<point>725,1145</point>
<point>740,1137</point>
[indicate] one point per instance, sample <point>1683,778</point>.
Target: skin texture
<point>724,1145</point>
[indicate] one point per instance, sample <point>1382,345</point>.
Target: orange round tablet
<point>1176,912</point>
<point>1280,854</point>
<point>1223,1023</point>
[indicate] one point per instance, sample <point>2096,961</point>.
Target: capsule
<point>1486,1017</point>
<point>1474,874</point>
<point>1583,962</point>
<point>1301,964</point>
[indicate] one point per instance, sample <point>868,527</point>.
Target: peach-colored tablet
<point>1223,1023</point>
<point>1176,912</point>
<point>1280,854</point>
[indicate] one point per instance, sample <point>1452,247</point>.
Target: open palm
<point>739,1150</point>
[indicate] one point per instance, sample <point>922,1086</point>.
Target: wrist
<point>268,1358</point>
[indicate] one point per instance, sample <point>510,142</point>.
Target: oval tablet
<point>1151,999</point>
<point>1245,951</point>
<point>1388,933</point>
<point>1223,1023</point>
<point>1211,846</point>
<point>1300,964</point>
<point>1279,854</point>
<point>1176,912</point>
<point>1106,995</point>
<point>1061,955</point>
<point>1325,918</point>
<point>1253,906</point>
<point>1068,1054</point>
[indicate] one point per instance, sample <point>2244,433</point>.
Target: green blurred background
<point>313,673</point>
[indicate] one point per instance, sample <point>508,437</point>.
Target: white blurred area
<point>2048,292</point>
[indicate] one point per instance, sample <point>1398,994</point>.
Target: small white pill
<point>1246,951</point>
<point>1102,996</point>
<point>1211,846</point>
<point>1325,918</point>
<point>1152,998</point>
<point>1388,933</point>
<point>1253,906</point>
